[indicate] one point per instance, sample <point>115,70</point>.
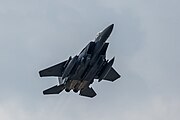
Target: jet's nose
<point>111,27</point>
<point>106,32</point>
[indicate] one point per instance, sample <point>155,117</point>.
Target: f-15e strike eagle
<point>78,72</point>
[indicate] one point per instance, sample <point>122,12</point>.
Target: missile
<point>69,67</point>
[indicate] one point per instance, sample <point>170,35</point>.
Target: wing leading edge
<point>56,70</point>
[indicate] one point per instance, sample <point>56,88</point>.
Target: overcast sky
<point>35,34</point>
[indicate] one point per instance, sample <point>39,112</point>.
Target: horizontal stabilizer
<point>112,75</point>
<point>88,92</point>
<point>55,70</point>
<point>54,90</point>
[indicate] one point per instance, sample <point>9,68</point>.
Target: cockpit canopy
<point>98,34</point>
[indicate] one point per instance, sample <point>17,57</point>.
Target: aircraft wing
<point>55,70</point>
<point>88,92</point>
<point>54,90</point>
<point>112,75</point>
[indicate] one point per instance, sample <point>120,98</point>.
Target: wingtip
<point>40,73</point>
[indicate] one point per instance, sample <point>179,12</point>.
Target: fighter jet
<point>79,72</point>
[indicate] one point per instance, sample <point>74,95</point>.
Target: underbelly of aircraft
<point>76,85</point>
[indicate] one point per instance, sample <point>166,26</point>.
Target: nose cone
<point>110,28</point>
<point>106,32</point>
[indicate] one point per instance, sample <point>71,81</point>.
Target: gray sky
<point>35,34</point>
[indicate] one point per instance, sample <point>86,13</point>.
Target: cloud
<point>145,41</point>
<point>156,108</point>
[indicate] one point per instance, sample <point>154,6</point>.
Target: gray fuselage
<point>89,63</point>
